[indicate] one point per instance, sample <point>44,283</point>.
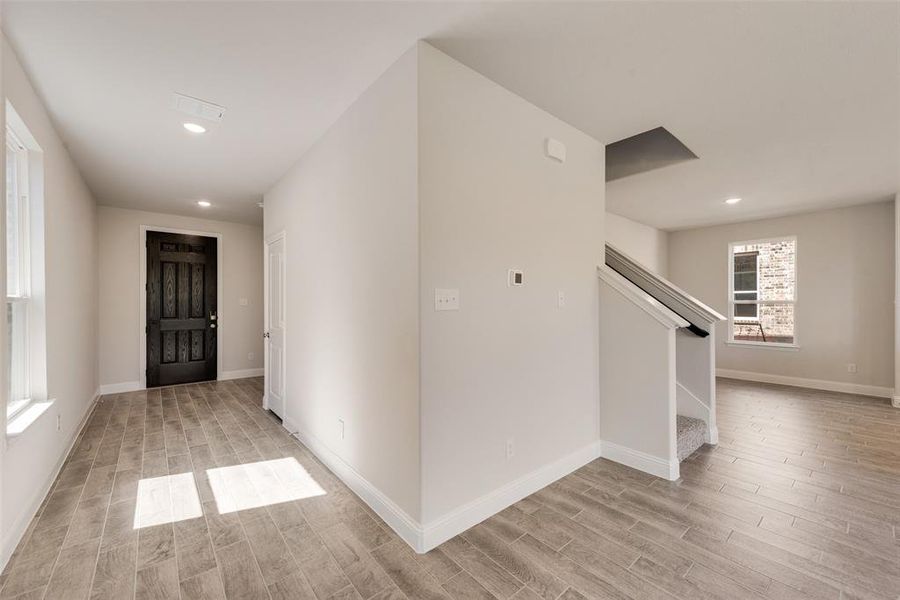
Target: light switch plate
<point>446,299</point>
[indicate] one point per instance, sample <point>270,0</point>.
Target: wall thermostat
<point>515,277</point>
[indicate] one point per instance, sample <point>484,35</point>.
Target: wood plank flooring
<point>193,492</point>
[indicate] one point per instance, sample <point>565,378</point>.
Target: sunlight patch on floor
<point>252,485</point>
<point>166,499</point>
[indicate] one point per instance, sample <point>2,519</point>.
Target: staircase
<point>657,367</point>
<point>692,433</point>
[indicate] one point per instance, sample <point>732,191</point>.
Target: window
<point>762,292</point>
<point>746,284</point>
<point>17,273</point>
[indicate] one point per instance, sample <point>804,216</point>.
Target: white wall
<point>637,385</point>
<point>509,364</point>
<point>349,213</point>
<point>896,398</point>
<point>241,327</point>
<point>845,292</point>
<point>647,245</point>
<point>31,460</point>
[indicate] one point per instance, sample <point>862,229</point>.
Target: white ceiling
<point>791,106</point>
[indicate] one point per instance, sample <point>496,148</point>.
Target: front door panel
<point>181,308</point>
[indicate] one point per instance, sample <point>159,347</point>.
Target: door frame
<point>142,293</point>
<point>269,240</point>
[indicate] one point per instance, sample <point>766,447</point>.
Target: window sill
<point>769,345</point>
<point>26,418</point>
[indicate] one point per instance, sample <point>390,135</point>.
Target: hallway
<point>799,500</point>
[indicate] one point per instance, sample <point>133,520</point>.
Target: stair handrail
<point>653,307</point>
<point>700,316</point>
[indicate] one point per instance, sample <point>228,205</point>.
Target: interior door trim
<point>142,293</point>
<point>267,241</point>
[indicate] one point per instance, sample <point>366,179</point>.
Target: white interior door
<point>275,326</point>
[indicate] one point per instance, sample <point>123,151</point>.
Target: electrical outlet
<point>250,356</point>
<point>58,422</point>
<point>561,299</point>
<point>851,367</point>
<point>510,448</point>
<point>341,424</point>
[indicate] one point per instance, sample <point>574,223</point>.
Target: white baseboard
<point>120,388</point>
<point>814,384</point>
<point>422,539</point>
<point>12,538</point>
<point>241,374</point>
<point>895,401</point>
<point>134,386</point>
<point>640,460</point>
<point>442,529</point>
<point>405,526</point>
<point>713,435</point>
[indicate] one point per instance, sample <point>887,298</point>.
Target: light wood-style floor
<point>801,499</point>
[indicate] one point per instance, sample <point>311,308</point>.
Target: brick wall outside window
<point>776,264</point>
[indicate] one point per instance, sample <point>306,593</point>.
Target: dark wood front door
<point>181,308</point>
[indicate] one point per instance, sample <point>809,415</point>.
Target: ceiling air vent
<point>198,108</point>
<point>644,152</point>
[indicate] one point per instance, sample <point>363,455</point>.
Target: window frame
<point>795,345</point>
<point>20,384</point>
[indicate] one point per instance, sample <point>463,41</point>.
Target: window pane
<point>745,281</point>
<point>774,323</point>
<point>745,311</point>
<point>745,262</point>
<point>772,272</point>
<point>12,222</point>
<point>17,350</point>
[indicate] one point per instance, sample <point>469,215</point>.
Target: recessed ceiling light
<point>204,203</point>
<point>194,128</point>
<point>732,201</point>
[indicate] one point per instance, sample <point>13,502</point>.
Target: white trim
<point>404,525</point>
<point>120,388</point>
<point>460,519</point>
<point>15,532</point>
<point>241,374</point>
<point>895,401</point>
<point>23,419</point>
<point>814,384</point>
<point>640,460</point>
<point>770,345</point>
<point>664,290</point>
<point>641,299</point>
<point>142,294</point>
<point>692,395</point>
<point>422,539</point>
